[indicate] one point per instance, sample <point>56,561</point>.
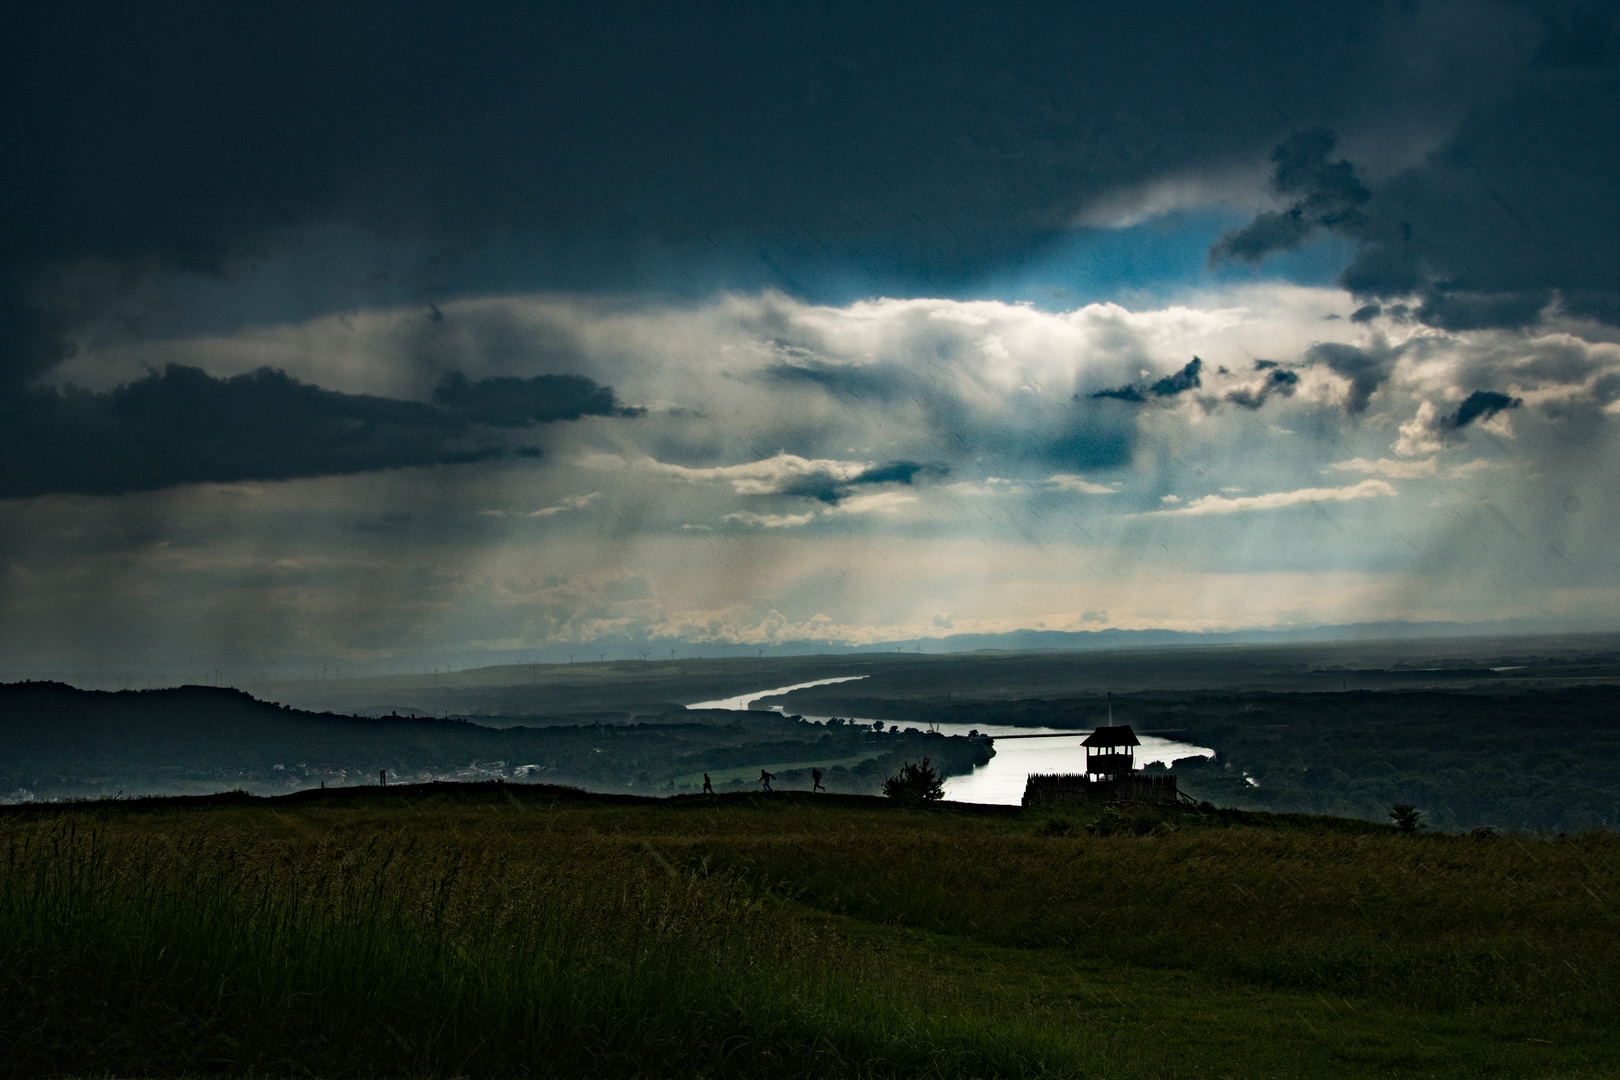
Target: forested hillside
<point>64,742</point>
<point>1518,757</point>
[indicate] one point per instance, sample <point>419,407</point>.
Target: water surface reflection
<point>1052,750</point>
<point>1002,780</point>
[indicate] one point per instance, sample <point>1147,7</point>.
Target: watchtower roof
<point>1118,735</point>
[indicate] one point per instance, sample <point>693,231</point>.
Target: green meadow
<point>506,930</point>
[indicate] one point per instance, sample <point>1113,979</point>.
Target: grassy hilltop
<point>502,929</point>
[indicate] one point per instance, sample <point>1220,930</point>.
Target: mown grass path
<point>506,930</point>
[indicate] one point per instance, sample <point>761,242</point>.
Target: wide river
<point>1037,750</point>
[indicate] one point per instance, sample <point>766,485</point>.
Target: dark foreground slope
<point>504,930</point>
<point>62,742</point>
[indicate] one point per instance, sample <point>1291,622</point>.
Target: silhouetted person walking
<point>765,778</point>
<point>708,788</point>
<point>815,780</point>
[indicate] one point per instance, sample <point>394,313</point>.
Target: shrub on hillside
<point>1143,821</point>
<point>1406,817</point>
<point>1054,826</point>
<point>915,783</point>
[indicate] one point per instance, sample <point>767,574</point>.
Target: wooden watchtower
<point>1110,752</point>
<point>1110,775</point>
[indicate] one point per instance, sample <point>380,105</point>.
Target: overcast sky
<point>380,334</point>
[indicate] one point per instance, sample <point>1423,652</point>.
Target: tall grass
<point>495,933</point>
<point>200,950</point>
<point>1432,921</point>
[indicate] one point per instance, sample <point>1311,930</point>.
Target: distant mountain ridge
<point>1109,638</point>
<point>620,648</point>
<point>628,648</point>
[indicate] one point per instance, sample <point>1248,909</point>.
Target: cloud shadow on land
<point>183,426</point>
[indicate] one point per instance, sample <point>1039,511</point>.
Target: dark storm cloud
<point>1516,207</point>
<point>1179,383</point>
<point>183,426</point>
<point>898,472</point>
<point>1325,195</point>
<point>878,382</point>
<point>1483,311</point>
<point>1278,382</point>
<point>958,421</point>
<point>887,385</point>
<point>514,402</point>
<point>1187,378</point>
<point>1482,405</point>
<point>1606,388</point>
<point>824,487</point>
<point>894,149</point>
<point>1365,368</point>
